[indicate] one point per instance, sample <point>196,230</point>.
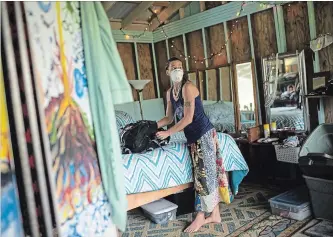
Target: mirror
<point>216,93</point>
<point>283,89</point>
<point>245,94</point>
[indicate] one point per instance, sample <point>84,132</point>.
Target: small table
<point>267,167</point>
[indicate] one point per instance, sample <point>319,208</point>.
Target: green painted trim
<point>207,18</point>
<point>204,45</point>
<point>155,70</point>
<point>282,30</point>
<point>277,31</point>
<point>249,23</point>
<point>206,60</point>
<point>227,47</point>
<point>137,66</point>
<point>221,86</point>
<point>316,66</point>
<point>118,36</point>
<point>313,32</point>
<point>167,48</point>
<point>185,52</point>
<point>137,60</point>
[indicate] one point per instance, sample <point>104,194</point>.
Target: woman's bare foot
<point>215,217</point>
<point>200,220</point>
<point>197,223</point>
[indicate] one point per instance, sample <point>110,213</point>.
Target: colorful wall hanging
<point>55,38</point>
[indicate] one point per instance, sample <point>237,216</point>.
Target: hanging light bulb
<point>238,13</point>
<point>195,61</point>
<point>127,37</point>
<point>171,46</point>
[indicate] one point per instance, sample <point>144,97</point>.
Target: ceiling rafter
<point>166,13</point>
<point>108,5</point>
<point>136,13</point>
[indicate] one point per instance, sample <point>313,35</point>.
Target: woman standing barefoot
<point>210,180</point>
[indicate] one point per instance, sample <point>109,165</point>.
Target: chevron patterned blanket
<point>172,166</point>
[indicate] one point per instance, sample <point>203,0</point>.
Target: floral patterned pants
<point>210,178</point>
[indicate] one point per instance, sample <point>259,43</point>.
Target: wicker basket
<point>287,154</point>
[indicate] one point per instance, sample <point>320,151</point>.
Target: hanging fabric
<point>14,93</point>
<point>35,153</point>
<point>107,86</point>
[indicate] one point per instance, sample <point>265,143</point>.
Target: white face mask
<point>177,75</point>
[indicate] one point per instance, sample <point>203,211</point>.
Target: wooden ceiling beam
<point>161,4</point>
<point>135,26</point>
<point>136,13</point>
<point>108,5</point>
<point>166,13</point>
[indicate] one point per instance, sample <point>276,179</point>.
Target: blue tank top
<point>200,123</point>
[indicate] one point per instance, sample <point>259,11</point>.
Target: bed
<point>168,170</point>
<point>287,117</point>
<point>222,116</point>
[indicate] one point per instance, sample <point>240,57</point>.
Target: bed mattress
<point>172,165</point>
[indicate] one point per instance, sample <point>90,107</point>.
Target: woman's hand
<point>163,135</point>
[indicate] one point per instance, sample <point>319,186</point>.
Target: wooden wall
<point>215,39</point>
<point>296,25</point>
<point>297,32</point>
<point>145,69</point>
<point>174,44</point>
<point>194,43</point>
<point>240,40</point>
<point>324,24</point>
<point>161,60</point>
<point>127,54</point>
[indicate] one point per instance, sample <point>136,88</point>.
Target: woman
<point>210,180</point>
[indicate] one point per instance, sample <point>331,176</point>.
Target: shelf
<point>318,96</point>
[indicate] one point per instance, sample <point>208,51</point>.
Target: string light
<point>194,58</point>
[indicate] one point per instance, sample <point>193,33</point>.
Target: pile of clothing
<point>291,141</point>
<point>141,137</point>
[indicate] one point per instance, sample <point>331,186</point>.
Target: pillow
<point>122,119</point>
<point>220,113</point>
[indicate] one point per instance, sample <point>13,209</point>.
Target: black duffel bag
<point>140,137</point>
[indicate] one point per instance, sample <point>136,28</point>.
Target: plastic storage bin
<point>160,211</point>
<point>321,193</point>
<point>184,200</point>
<point>292,204</point>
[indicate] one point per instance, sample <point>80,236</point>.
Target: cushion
<point>220,113</point>
<point>122,119</point>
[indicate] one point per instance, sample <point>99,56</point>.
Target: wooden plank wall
<point>127,54</point>
<point>297,26</point>
<point>195,47</point>
<point>324,24</point>
<point>178,44</point>
<point>215,39</point>
<point>240,40</point>
<point>146,71</point>
<point>146,67</point>
<point>296,20</point>
<point>161,60</point>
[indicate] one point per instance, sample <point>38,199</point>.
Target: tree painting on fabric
<point>11,219</point>
<point>56,44</point>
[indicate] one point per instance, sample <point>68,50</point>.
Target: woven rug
<point>316,228</point>
<point>247,216</point>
